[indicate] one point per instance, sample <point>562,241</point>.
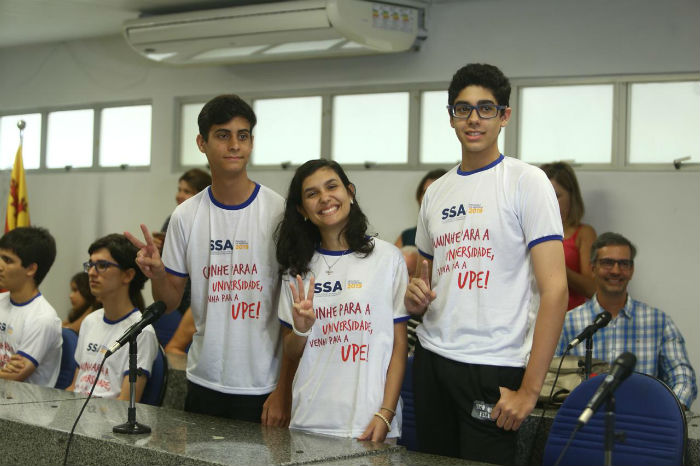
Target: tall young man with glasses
<point>116,281</point>
<point>636,327</point>
<point>30,330</point>
<point>492,285</point>
<point>222,239</point>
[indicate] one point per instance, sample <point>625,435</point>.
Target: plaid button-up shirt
<point>640,329</point>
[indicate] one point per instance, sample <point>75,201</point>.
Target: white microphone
<point>622,368</point>
<point>150,315</point>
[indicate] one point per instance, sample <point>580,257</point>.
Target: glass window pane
<point>189,152</point>
<point>438,142</point>
<point>125,136</point>
<point>657,137</point>
<point>566,123</point>
<point>288,130</point>
<point>9,140</point>
<point>370,127</point>
<point>69,140</point>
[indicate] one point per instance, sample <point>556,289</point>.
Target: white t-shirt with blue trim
<point>229,254</point>
<point>97,334</point>
<point>339,384</point>
<point>33,330</point>
<point>478,228</point>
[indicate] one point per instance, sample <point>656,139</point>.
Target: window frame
<point>97,122</point>
<point>620,131</point>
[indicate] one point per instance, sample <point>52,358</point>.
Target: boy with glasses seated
<point>30,330</point>
<point>636,327</point>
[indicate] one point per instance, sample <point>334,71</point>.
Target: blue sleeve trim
<point>425,254</point>
<point>179,274</point>
<point>398,320</point>
<point>34,361</point>
<point>537,241</point>
<point>285,324</point>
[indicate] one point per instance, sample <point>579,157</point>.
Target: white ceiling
<point>35,21</point>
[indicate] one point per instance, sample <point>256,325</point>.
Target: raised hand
<point>303,314</point>
<point>148,257</point>
<point>418,292</point>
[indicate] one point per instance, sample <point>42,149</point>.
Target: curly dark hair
<point>480,74</point>
<point>124,253</point>
<point>297,239</point>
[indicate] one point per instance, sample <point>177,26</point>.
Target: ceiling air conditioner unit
<point>279,31</point>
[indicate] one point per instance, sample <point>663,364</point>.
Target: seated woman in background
<point>408,236</point>
<point>578,237</point>
<point>116,281</point>
<point>81,300</point>
<point>342,306</point>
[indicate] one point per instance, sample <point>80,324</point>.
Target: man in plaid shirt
<point>636,327</point>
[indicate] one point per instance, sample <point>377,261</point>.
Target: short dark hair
<point>124,253</point>
<point>431,175</point>
<point>33,245</point>
<point>611,239</point>
<point>197,178</point>
<point>480,74</point>
<point>297,239</point>
<point>562,173</point>
<point>222,109</point>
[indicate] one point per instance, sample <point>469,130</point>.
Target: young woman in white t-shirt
<point>342,306</point>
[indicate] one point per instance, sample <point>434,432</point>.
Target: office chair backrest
<point>646,410</point>
<point>68,363</point>
<point>154,392</point>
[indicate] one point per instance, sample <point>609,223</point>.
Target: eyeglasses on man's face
<point>485,111</point>
<point>609,264</point>
<point>100,266</point>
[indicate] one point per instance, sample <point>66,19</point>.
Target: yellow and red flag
<point>17,213</point>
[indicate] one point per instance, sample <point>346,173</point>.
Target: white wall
<point>659,211</point>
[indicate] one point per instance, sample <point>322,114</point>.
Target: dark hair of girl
<point>82,283</point>
<point>124,254</point>
<point>297,239</point>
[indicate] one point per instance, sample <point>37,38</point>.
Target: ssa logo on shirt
<point>226,246</point>
<point>6,328</point>
<point>328,287</point>
<point>452,213</point>
<point>95,348</point>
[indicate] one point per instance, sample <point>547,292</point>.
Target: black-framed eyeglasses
<point>100,266</point>
<point>485,111</point>
<point>608,264</point>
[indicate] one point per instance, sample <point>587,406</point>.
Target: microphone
<point>622,368</point>
<point>600,321</point>
<point>150,315</point>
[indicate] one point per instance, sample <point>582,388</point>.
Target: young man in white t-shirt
<point>222,239</point>
<point>30,330</point>
<point>491,288</point>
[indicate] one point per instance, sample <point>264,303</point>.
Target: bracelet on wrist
<point>386,421</point>
<point>389,409</point>
<point>301,334</point>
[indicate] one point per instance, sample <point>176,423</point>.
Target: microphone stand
<point>589,358</point>
<point>609,429</point>
<point>131,426</point>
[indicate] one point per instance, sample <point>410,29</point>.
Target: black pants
<point>445,392</point>
<point>206,401</point>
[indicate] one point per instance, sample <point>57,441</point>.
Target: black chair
<point>68,362</point>
<point>154,392</point>
<point>647,412</point>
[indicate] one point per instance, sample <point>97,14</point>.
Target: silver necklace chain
<point>330,266</point>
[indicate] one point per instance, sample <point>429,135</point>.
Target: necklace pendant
<point>329,272</point>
